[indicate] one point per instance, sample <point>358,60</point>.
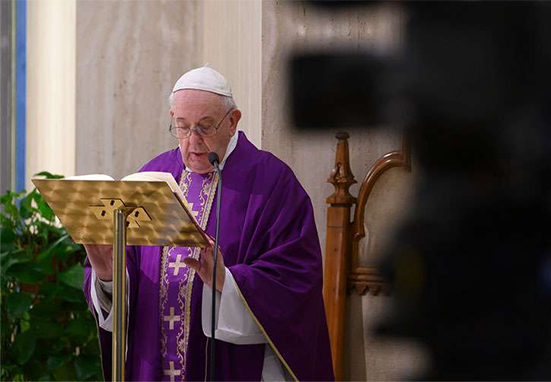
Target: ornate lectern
<point>121,213</point>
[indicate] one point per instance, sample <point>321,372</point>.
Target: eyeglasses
<point>183,132</point>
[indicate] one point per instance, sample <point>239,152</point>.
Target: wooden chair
<point>344,273</point>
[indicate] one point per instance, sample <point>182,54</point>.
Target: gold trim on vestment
<point>163,277</point>
<point>163,298</point>
<point>183,185</point>
<point>187,279</point>
<point>265,333</point>
<point>206,198</point>
<point>185,292</point>
<point>207,205</point>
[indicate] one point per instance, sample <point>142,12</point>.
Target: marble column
<point>50,137</point>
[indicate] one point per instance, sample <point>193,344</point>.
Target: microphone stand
<point>213,158</point>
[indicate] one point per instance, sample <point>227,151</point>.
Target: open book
<point>85,205</point>
<point>146,176</point>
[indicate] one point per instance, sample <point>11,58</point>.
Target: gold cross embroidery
<point>195,213</point>
<point>171,319</point>
<point>177,265</point>
<point>172,372</point>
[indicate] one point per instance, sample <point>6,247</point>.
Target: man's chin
<point>199,167</point>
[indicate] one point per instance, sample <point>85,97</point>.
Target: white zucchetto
<point>204,78</point>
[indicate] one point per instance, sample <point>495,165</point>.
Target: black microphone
<point>215,161</point>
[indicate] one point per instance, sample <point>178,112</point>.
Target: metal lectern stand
<point>121,213</point>
<point>119,293</point>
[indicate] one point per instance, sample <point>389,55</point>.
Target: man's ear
<point>171,113</point>
<point>234,119</point>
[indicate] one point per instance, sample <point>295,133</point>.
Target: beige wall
<point>232,44</point>
<point>129,54</point>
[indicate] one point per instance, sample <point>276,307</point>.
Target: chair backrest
<point>356,296</point>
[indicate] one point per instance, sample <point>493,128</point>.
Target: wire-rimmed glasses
<point>183,131</point>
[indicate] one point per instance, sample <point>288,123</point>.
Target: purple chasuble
<point>270,245</point>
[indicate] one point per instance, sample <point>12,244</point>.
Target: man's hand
<point>101,258</point>
<point>203,266</point>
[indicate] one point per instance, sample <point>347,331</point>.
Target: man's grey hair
<point>227,101</point>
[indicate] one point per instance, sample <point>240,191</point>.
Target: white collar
<point>231,146</point>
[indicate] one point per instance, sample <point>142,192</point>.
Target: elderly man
<point>270,315</point>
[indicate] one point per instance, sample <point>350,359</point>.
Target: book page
<point>156,176</point>
<point>89,177</point>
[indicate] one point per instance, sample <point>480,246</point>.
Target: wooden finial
<point>341,177</point>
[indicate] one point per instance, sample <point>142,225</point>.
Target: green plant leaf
<point>58,347</point>
<point>47,252</point>
<point>48,175</point>
<point>25,207</point>
<point>91,348</point>
<point>24,346</point>
<point>5,330</point>
<point>78,329</point>
<point>13,258</point>
<point>87,367</point>
<point>34,368</point>
<point>45,210</point>
<point>43,207</point>
<point>18,304</point>
<point>6,198</point>
<point>44,267</point>
<point>49,326</point>
<point>11,371</point>
<point>65,372</point>
<point>48,308</point>
<point>7,239</point>
<point>77,247</point>
<point>10,209</point>
<point>25,324</point>
<point>73,295</point>
<point>51,290</point>
<point>74,276</point>
<point>6,371</point>
<point>4,256</point>
<point>26,274</point>
<point>47,329</point>
<point>56,361</point>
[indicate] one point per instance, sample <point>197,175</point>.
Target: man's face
<point>197,107</point>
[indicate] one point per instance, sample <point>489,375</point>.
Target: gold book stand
<point>121,213</point>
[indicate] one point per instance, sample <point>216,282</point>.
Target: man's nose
<point>195,137</point>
